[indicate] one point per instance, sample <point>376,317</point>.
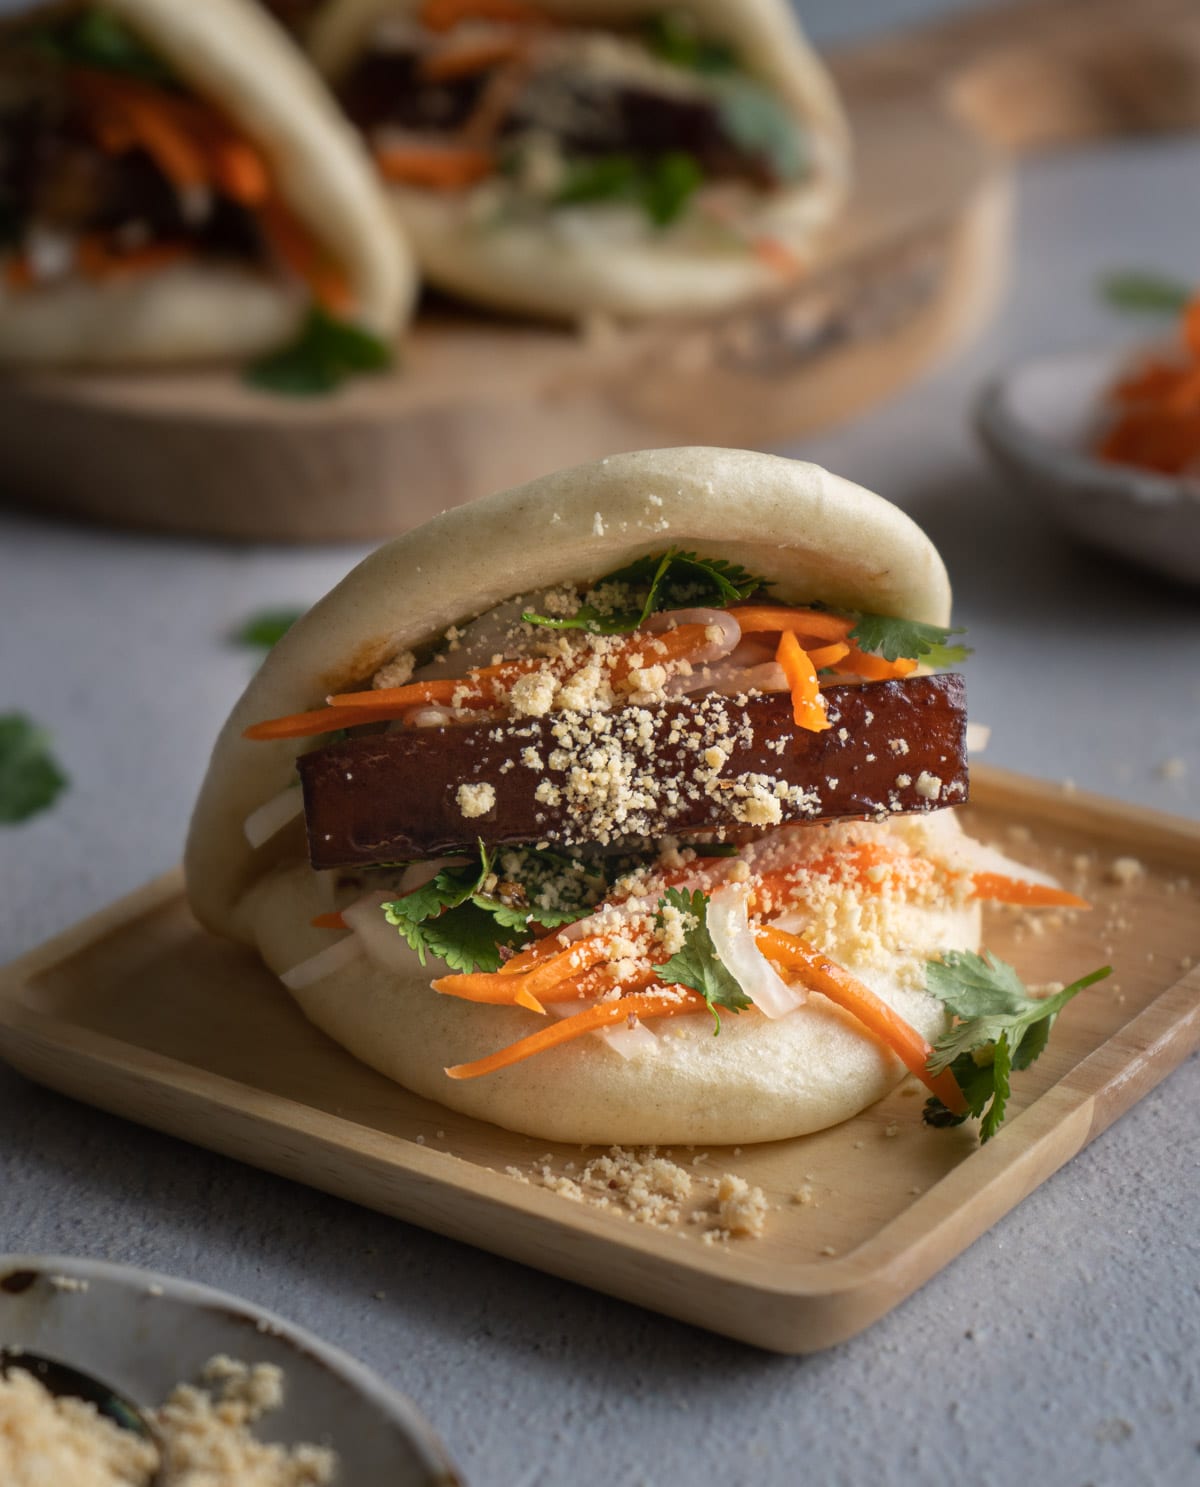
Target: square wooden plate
<point>139,1011</point>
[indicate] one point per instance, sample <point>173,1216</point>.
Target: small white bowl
<point>143,1333</point>
<point>1039,422</point>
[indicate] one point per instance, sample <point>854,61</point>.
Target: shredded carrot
<point>1157,421</point>
<point>775,618</point>
<point>162,125</point>
<point>670,1002</point>
<point>531,955</point>
<point>240,172</point>
<point>827,655</point>
<point>819,973</point>
<point>328,921</point>
<point>465,61</point>
<point>485,685</point>
<point>808,706</point>
<point>874,668</point>
<point>296,250</point>
<point>500,92</point>
<point>444,15</point>
<point>97,261</point>
<point>1004,890</point>
<point>505,993</point>
<point>437,167</point>
<point>540,978</point>
<point>778,257</point>
<point>320,720</point>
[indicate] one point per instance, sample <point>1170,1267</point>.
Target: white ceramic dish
<point>1039,421</point>
<point>143,1333</point>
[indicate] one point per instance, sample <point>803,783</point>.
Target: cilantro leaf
<point>697,965</point>
<point>892,638</point>
<point>662,187</point>
<point>320,359</point>
<point>265,628</point>
<point>456,917</point>
<point>98,39</point>
<point>1139,291</point>
<point>671,580</point>
<point>672,36</point>
<point>999,1028</point>
<point>30,778</point>
<point>757,120</point>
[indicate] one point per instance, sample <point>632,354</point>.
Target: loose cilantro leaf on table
<point>265,628</point>
<point>671,580</point>
<point>892,638</point>
<point>697,965</point>
<point>30,778</point>
<point>455,917</point>
<point>673,36</point>
<point>320,359</point>
<point>99,40</point>
<point>999,1028</point>
<point>661,187</point>
<point>1134,290</point>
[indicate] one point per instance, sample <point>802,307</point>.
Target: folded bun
<point>234,56</point>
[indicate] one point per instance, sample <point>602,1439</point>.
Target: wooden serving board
<point>478,403</point>
<point>139,1011</point>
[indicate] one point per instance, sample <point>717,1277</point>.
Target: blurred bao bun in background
<point>814,537</point>
<point>182,187</point>
<point>594,155</point>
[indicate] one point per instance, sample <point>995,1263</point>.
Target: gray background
<point>1060,1348</point>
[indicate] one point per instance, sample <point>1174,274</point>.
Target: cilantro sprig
<point>459,917</point>
<point>1140,291</point>
<point>265,628</point>
<point>97,39</point>
<point>672,35</point>
<point>892,639</point>
<point>670,580</point>
<point>662,187</point>
<point>324,354</point>
<point>999,1029</point>
<point>697,964</point>
<point>30,777</point>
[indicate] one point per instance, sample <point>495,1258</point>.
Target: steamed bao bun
<point>814,536</point>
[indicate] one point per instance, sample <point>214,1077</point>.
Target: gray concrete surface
<point>1060,1349</point>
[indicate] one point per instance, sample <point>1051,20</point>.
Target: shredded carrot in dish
<point>541,978</point>
<point>670,1002</point>
<point>328,921</point>
<point>437,167</point>
<point>808,705</point>
<point>96,260</point>
<point>819,973</point>
<point>1157,422</point>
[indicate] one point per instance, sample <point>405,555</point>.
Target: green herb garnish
<point>671,580</point>
<point>757,121</point>
<point>1138,291</point>
<point>323,356</point>
<point>672,35</point>
<point>459,917</point>
<point>1000,1028</point>
<point>661,187</point>
<point>30,778</point>
<point>97,39</point>
<point>265,628</point>
<point>698,965</point>
<point>892,639</point>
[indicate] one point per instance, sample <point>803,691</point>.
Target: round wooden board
<point>477,403</point>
